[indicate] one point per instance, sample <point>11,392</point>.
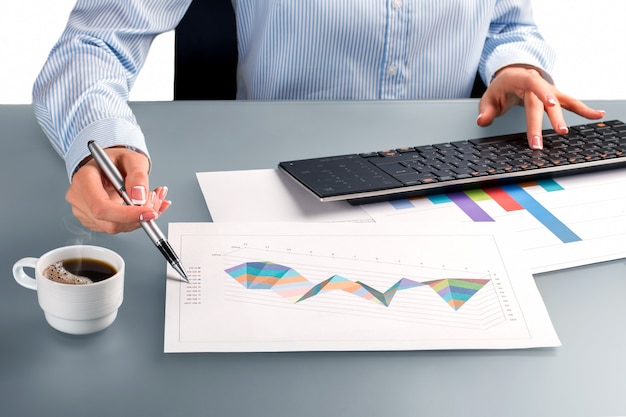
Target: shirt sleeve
<point>82,91</point>
<point>514,38</point>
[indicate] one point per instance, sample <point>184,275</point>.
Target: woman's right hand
<point>96,203</point>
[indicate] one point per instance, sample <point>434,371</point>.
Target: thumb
<point>134,166</point>
<point>486,112</point>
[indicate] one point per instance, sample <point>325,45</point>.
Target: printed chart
<point>303,286</point>
<point>288,283</point>
<point>560,223</point>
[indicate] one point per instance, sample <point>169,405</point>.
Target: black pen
<point>154,233</point>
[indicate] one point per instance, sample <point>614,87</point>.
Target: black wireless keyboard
<point>465,164</point>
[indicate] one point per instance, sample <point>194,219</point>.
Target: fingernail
<point>165,205</point>
<point>149,215</point>
<point>151,198</point>
<point>551,100</point>
<point>162,193</point>
<point>479,117</point>
<point>563,130</point>
<point>536,142</point>
<point>138,195</point>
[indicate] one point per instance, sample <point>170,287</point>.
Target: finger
<point>534,120</point>
<point>486,111</point>
<point>161,192</point>
<point>545,92</point>
<point>159,200</point>
<point>134,168</point>
<point>494,103</point>
<point>497,100</point>
<point>555,114</point>
<point>88,219</point>
<point>164,206</point>
<point>153,203</point>
<point>580,108</point>
<point>112,212</point>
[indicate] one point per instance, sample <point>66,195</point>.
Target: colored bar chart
<point>572,221</point>
<point>510,197</point>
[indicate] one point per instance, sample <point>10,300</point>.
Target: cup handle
<point>21,276</point>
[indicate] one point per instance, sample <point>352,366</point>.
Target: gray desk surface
<point>123,370</point>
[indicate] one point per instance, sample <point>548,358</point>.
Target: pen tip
<point>181,272</point>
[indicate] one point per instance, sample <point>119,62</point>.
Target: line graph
<point>336,282</point>
<point>288,283</point>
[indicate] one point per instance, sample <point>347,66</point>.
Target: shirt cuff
<point>108,133</point>
<point>505,60</point>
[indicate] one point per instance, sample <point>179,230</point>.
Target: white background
<point>588,35</point>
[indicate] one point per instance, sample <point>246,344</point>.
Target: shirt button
<point>392,70</point>
<point>396,4</point>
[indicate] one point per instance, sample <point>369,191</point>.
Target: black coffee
<point>79,271</point>
<point>94,269</point>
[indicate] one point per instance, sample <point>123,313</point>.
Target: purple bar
<point>470,207</point>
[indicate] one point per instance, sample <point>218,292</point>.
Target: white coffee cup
<point>75,308</point>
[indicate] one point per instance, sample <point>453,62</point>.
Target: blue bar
<point>539,212</point>
<point>401,204</point>
<point>439,199</point>
<point>549,185</point>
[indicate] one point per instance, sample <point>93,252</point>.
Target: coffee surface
<point>79,271</point>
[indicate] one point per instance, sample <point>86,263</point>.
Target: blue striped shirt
<point>288,49</point>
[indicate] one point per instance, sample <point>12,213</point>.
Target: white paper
<point>591,206</point>
<point>266,195</point>
<point>579,221</point>
<point>240,298</point>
